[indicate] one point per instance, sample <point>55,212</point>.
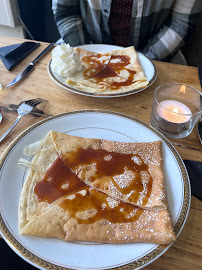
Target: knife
<point>29,68</point>
<point>200,122</point>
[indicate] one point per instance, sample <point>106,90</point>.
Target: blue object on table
<point>194,169</point>
<point>12,55</point>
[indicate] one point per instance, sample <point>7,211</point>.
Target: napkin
<point>194,169</point>
<point>12,55</point>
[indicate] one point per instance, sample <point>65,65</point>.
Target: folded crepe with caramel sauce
<point>74,191</point>
<point>108,72</point>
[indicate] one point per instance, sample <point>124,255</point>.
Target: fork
<point>25,108</point>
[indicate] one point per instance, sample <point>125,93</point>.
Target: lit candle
<point>173,116</point>
<point>174,111</point>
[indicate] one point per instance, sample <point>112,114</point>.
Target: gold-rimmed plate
<point>147,65</point>
<point>53,253</point>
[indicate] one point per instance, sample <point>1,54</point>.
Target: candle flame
<point>183,89</point>
<point>175,110</point>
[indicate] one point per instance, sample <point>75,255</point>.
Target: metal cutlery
<point>35,112</point>
<point>25,108</point>
<point>30,67</point>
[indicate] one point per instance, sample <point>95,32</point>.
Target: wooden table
<point>186,252</point>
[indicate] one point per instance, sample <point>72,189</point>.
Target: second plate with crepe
<point>146,64</point>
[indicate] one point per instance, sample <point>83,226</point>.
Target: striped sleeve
<point>68,19</point>
<point>176,31</point>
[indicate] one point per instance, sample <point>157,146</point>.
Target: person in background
<point>157,28</point>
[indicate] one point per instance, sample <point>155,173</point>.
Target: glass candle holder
<point>176,109</point>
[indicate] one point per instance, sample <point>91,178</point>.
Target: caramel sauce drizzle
<point>100,71</point>
<point>114,166</point>
<point>51,187</point>
<point>95,200</point>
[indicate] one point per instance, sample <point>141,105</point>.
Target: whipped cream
<point>65,61</point>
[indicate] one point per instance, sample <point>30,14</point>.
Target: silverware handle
<point>10,128</point>
<point>42,53</point>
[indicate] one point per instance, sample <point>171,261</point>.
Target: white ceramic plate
<point>147,65</point>
<point>57,254</point>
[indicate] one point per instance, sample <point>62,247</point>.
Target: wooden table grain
<point>186,252</point>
